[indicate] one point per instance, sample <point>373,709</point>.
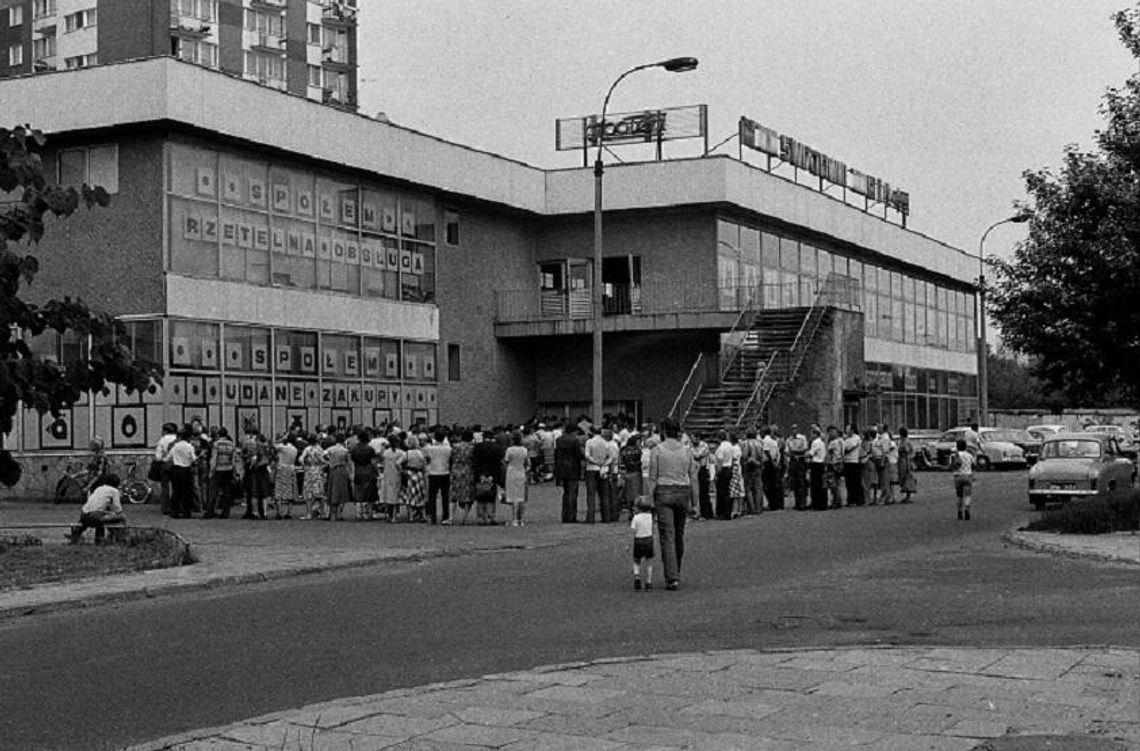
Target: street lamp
<point>983,371</point>
<point>673,65</point>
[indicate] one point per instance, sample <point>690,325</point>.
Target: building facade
<point>304,47</point>
<point>378,274</point>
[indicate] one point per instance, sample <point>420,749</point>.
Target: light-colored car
<point>1077,465</point>
<point>1124,437</point>
<point>1044,431</point>
<point>995,452</point>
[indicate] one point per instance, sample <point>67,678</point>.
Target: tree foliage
<point>28,380</point>
<point>1070,296</point>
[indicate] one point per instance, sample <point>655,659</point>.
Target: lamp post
<point>673,65</point>
<point>983,348</point>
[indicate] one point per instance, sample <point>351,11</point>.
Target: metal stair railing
<point>744,311</point>
<point>796,354</point>
<point>681,405</point>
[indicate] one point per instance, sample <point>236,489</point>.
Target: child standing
<point>962,464</point>
<point>642,526</point>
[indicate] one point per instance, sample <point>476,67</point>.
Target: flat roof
<point>163,89</point>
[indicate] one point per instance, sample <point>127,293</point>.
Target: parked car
<point>1029,444</point>
<point>1044,431</point>
<point>995,452</point>
<point>1124,437</point>
<point>1076,465</point>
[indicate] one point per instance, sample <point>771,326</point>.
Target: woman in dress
<point>414,493</point>
<point>391,479</point>
<point>908,483</point>
<point>363,474</point>
<point>284,477</point>
<point>516,462</point>
<point>461,485</point>
<point>339,490</point>
<point>736,491</point>
<point>313,464</point>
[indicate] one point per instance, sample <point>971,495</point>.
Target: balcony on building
<point>269,6</point>
<point>338,14</point>
<point>189,27</point>
<point>273,44</point>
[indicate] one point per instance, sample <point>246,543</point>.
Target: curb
<point>222,580</point>
<point>1016,537</point>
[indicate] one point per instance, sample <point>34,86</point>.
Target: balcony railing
<point>522,305</point>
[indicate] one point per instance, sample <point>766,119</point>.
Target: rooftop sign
<point>647,126</point>
<point>826,168</point>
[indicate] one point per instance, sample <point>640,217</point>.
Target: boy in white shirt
<point>962,464</point>
<point>103,507</point>
<point>642,526</point>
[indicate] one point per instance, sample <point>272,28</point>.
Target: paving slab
<point>1038,693</point>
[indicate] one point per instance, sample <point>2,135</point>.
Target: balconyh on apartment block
<point>291,264</point>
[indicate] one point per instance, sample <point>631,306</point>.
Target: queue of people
<point>444,475</point>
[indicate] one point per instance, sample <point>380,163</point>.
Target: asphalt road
<point>895,575</point>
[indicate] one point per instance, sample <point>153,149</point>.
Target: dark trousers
<point>96,520</point>
<point>818,491</point>
<point>704,495</point>
<point>753,502</point>
<point>569,501</point>
<point>672,504</point>
<point>595,487</point>
<point>773,485</point>
<point>798,480</point>
<point>182,490</point>
<point>220,498</point>
<point>438,485</point>
<point>853,480</point>
<point>610,501</point>
<point>723,493</point>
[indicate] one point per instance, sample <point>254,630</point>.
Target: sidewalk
<point>233,551</point>
<point>884,699</point>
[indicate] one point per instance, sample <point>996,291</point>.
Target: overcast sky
<point>950,101</point>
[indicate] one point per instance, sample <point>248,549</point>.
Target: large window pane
<point>194,345</point>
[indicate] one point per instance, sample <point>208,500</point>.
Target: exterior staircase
<point>770,334</point>
<point>764,352</point>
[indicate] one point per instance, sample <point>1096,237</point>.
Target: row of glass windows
<point>918,398</point>
<point>896,306</point>
<point>233,348</point>
<point>250,221</point>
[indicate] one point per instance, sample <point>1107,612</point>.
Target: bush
<point>1092,516</point>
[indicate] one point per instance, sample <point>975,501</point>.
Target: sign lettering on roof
<point>826,168</point>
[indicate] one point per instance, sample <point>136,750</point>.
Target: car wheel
<point>983,463</point>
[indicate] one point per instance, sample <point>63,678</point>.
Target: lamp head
<point>1022,216</point>
<point>679,64</point>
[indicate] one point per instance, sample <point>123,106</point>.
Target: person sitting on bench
<point>104,507</point>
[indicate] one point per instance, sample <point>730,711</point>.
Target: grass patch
<point>25,561</point>
<point>1117,512</point>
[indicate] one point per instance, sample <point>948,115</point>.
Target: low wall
<point>1076,419</point>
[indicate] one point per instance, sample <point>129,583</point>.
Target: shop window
<point>340,356</point>
<point>381,359</point>
<point>246,349</point>
<point>295,352</point>
<point>194,345</point>
<point>419,361</point>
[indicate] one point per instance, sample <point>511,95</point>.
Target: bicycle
<point>72,487</point>
<point>134,490</point>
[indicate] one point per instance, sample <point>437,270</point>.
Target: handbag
<point>154,472</point>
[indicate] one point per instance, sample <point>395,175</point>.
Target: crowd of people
<point>459,474</point>
<point>465,474</point>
